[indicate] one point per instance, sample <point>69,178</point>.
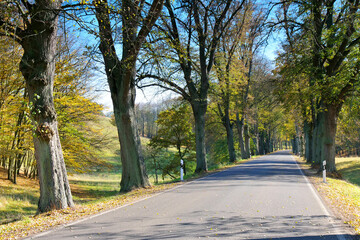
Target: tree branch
<point>174,87</point>
<point>149,21</point>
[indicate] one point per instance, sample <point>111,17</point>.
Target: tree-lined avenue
<point>266,198</point>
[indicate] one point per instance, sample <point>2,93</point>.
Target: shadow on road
<point>213,227</point>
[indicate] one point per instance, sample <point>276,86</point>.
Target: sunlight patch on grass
<point>17,201</point>
<point>349,168</point>
<point>344,196</point>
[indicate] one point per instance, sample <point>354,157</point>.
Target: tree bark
<point>133,166</point>
<point>240,129</point>
<point>318,139</point>
<point>262,150</point>
<point>199,110</point>
<point>330,125</point>
<point>308,132</point>
<point>247,141</point>
<point>38,68</point>
<point>230,137</point>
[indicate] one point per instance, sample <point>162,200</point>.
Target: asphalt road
<point>267,198</point>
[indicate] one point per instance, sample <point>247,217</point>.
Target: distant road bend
<point>267,198</point>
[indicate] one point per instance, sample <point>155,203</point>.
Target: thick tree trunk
<point>247,141</point>
<point>121,79</point>
<point>256,140</point>
<point>229,137</point>
<point>133,166</point>
<point>318,139</point>
<point>262,143</point>
<point>324,137</point>
<point>240,129</point>
<point>199,110</point>
<point>38,67</point>
<point>295,145</point>
<point>330,125</point>
<point>308,131</point>
<point>256,143</point>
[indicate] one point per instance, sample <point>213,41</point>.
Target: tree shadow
<point>234,227</point>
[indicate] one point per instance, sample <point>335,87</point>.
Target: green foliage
<point>175,132</point>
<point>75,108</point>
<point>348,131</point>
<point>74,104</point>
<point>219,152</point>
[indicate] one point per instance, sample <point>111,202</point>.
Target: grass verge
<point>91,195</point>
<point>341,195</point>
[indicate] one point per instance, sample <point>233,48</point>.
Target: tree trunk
<point>308,131</point>
<point>330,125</point>
<point>133,166</point>
<point>240,129</point>
<point>229,137</point>
<point>256,143</point>
<point>199,110</point>
<point>262,143</point>
<point>247,141</point>
<point>123,98</point>
<point>121,79</point>
<point>38,68</point>
<point>295,145</point>
<point>318,139</point>
<point>10,168</point>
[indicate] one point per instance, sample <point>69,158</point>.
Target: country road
<point>267,198</point>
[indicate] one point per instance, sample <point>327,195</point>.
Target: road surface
<point>267,198</point>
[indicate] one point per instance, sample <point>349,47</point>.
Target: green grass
<point>87,188</point>
<point>349,168</point>
<point>17,201</point>
<point>344,194</point>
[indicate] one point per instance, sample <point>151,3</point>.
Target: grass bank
<point>341,195</point>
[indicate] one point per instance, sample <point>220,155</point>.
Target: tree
<point>188,37</point>
<point>175,130</point>
<point>230,76</point>
<point>34,26</point>
<point>121,78</point>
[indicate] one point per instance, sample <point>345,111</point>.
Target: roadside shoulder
<point>335,199</point>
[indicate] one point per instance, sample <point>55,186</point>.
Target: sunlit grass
<point>17,200</point>
<point>349,168</point>
<point>344,194</point>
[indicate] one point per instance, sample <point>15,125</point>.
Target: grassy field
<point>350,169</point>
<point>348,191</point>
<point>19,201</point>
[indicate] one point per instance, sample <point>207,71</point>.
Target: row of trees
<point>318,69</point>
<point>205,51</point>
<point>188,46</point>
<point>34,26</point>
<point>238,86</point>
